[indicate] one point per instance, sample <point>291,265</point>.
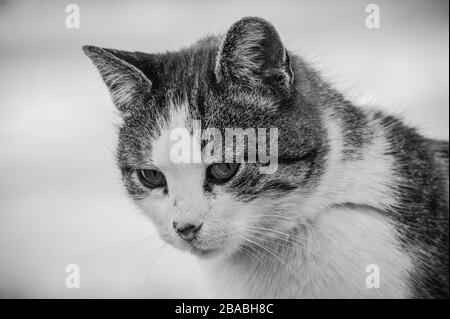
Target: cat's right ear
<point>128,86</point>
<point>253,54</point>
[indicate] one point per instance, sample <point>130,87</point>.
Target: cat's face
<point>195,205</point>
<point>243,81</point>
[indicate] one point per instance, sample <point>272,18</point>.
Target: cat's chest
<point>348,254</point>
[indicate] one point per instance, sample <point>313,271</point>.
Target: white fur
<point>185,180</point>
<point>331,263</point>
<point>364,181</point>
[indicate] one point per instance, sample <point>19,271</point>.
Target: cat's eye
<point>151,178</point>
<point>221,172</point>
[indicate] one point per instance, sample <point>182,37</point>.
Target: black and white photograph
<point>224,150</point>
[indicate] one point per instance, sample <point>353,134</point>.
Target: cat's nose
<point>187,231</point>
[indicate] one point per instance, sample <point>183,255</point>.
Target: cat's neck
<point>329,259</point>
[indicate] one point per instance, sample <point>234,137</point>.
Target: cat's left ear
<point>253,54</point>
<point>129,87</point>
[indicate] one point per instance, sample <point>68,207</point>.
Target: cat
<point>358,204</point>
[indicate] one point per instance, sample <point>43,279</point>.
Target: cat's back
<point>440,150</point>
<point>421,212</point>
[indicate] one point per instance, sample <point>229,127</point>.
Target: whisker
<point>289,240</point>
<point>277,234</point>
<point>274,216</point>
<point>155,258</point>
<point>255,256</point>
<point>146,239</point>
<point>291,271</point>
<point>266,249</point>
<point>275,237</point>
<point>145,261</point>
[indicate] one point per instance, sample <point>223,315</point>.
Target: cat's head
<point>243,80</point>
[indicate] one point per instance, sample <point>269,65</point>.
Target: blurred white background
<point>61,201</point>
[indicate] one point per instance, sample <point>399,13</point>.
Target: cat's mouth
<point>201,251</point>
<point>204,252</point>
<point>201,247</point>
